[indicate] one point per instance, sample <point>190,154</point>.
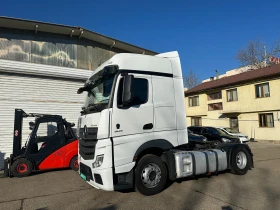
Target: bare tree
<point>191,80</point>
<point>257,55</point>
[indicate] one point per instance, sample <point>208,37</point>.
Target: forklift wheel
<point>21,167</point>
<point>74,163</point>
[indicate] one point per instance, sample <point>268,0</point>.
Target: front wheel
<point>74,165</point>
<point>21,167</point>
<point>240,161</point>
<point>150,175</point>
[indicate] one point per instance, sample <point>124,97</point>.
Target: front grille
<point>91,133</point>
<point>85,170</point>
<point>87,143</point>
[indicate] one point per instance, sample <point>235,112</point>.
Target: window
<point>215,106</point>
<point>194,101</point>
<point>68,134</point>
<point>215,131</point>
<point>266,120</point>
<point>99,90</point>
<point>214,96</point>
<point>196,121</point>
<point>262,90</point>
<point>232,95</point>
<point>47,129</point>
<point>196,130</point>
<point>139,91</point>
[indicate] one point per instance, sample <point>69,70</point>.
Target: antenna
<point>217,74</point>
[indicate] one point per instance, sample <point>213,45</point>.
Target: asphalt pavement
<point>258,189</point>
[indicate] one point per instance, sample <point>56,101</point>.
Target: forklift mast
<point>19,115</point>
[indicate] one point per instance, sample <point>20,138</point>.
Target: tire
<point>150,175</point>
<point>74,165</point>
<point>21,167</point>
<point>240,161</point>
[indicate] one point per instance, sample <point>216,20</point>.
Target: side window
<point>120,90</point>
<point>68,135</point>
<point>204,131</point>
<point>47,129</point>
<point>139,91</point>
<point>195,129</point>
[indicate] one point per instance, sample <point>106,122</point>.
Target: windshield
<point>230,130</point>
<point>216,131</point>
<point>99,89</point>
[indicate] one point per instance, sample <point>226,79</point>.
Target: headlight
<point>98,162</point>
<point>226,140</point>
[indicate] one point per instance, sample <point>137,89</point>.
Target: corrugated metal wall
<point>50,88</point>
<point>52,49</point>
<point>45,93</point>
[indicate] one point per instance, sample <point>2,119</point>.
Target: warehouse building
<point>41,67</point>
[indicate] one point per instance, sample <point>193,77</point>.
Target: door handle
<point>148,126</point>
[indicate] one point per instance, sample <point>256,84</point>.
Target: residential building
<point>248,102</point>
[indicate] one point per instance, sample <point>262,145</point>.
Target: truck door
<point>132,125</point>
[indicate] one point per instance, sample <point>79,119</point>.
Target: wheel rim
<point>151,175</point>
<point>216,143</point>
<point>76,164</point>
<point>241,160</point>
<point>21,168</point>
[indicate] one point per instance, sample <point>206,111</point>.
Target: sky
<point>207,34</point>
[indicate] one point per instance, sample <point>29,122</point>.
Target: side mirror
<point>81,89</point>
<point>127,96</point>
<point>85,88</point>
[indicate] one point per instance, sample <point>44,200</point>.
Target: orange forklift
<point>52,144</point>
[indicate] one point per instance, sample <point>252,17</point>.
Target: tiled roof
<point>244,77</point>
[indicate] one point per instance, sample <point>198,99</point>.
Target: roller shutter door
<point>36,89</point>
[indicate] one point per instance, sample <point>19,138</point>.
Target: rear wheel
<point>240,161</point>
<point>150,175</point>
<point>74,163</point>
<point>21,167</point>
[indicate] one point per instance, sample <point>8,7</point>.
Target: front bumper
<point>243,139</point>
<point>98,178</point>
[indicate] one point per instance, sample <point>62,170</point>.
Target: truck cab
<point>133,115</point>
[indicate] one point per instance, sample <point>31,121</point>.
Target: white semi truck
<point>133,132</point>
